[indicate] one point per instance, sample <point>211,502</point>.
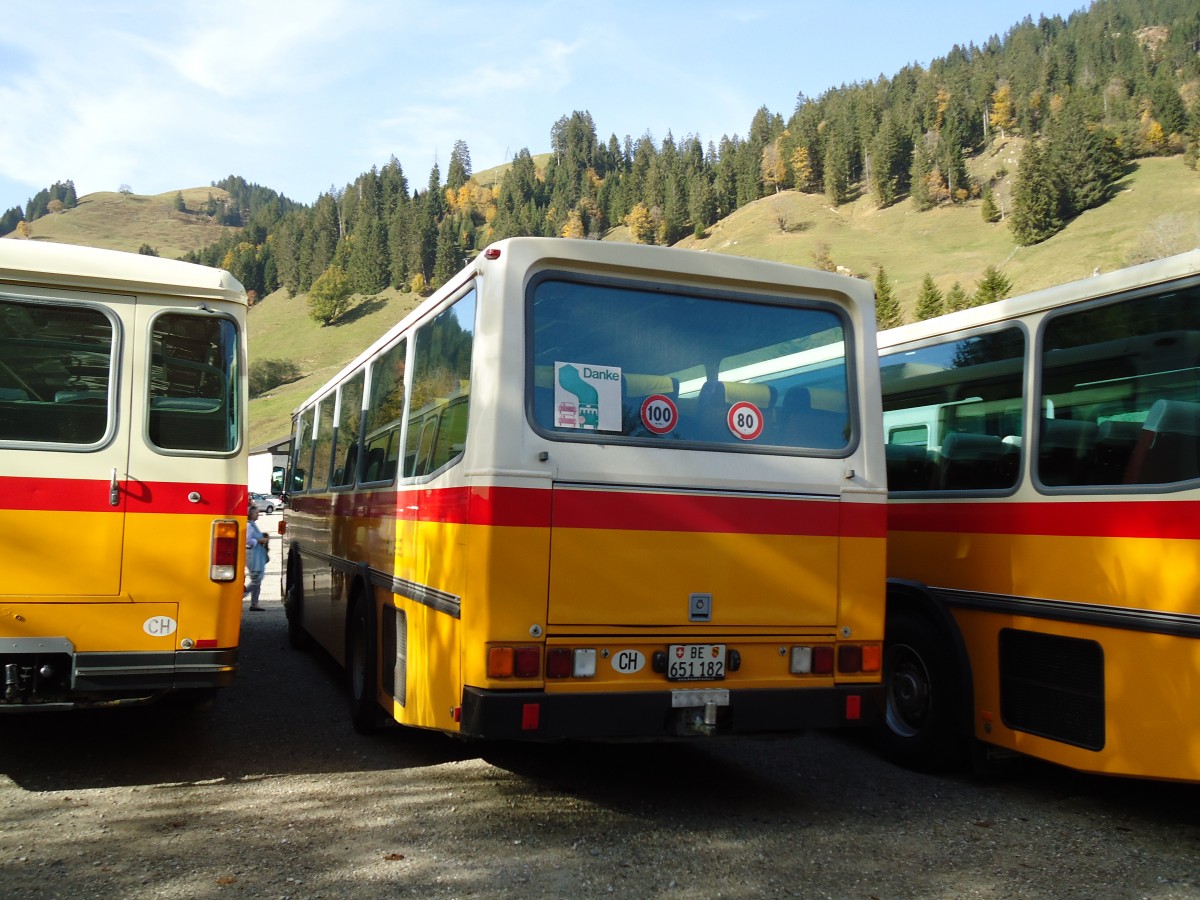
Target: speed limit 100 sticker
<point>745,420</point>
<point>659,414</point>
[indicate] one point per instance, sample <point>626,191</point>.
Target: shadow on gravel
<point>285,714</point>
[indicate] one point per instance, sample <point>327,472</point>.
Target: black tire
<point>270,509</point>
<point>293,610</point>
<point>921,730</point>
<point>362,670</point>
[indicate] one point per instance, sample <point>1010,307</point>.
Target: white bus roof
<point>25,262</point>
<point>1109,284</point>
<point>636,261</point>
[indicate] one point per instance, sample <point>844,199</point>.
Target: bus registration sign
<point>695,662</point>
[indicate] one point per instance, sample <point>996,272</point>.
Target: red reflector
<point>558,663</point>
<point>530,714</point>
<point>458,714</point>
<point>822,661</point>
<point>528,662</point>
<point>849,658</point>
<point>491,253</point>
<point>853,707</point>
<point>205,642</point>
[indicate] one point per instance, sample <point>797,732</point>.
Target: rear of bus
<point>675,512</point>
<point>122,476</point>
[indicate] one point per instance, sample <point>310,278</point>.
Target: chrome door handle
<point>114,490</point>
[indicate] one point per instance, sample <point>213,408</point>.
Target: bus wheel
<point>918,675</point>
<point>362,670</point>
<point>293,607</point>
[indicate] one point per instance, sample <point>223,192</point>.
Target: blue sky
<point>300,96</point>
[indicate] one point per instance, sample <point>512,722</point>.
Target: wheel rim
<point>909,692</point>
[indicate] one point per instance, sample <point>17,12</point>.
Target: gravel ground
<point>271,794</point>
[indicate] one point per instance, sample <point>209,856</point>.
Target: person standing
<point>257,553</point>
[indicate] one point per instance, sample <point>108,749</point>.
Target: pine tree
<point>956,298</point>
<point>448,254</point>
<point>994,286</point>
<point>989,209</point>
<point>1036,203</point>
<point>929,299</point>
<point>887,306</point>
<point>458,172</point>
<point>918,178</point>
<point>837,170</point>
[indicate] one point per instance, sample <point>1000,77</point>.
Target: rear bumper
<point>46,673</point>
<point>538,716</point>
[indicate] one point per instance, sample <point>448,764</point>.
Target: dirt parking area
<point>271,794</point>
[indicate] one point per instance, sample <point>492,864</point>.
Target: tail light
<point>514,662</point>
<point>223,551</point>
<point>852,659</point>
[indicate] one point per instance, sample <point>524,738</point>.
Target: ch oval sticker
<point>627,662</point>
<point>159,626</point>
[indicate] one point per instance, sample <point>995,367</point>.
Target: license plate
<point>695,662</point>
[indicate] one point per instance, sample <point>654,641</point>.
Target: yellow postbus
<point>122,476</point>
<point>601,491</point>
<point>1043,458</point>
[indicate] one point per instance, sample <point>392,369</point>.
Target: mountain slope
<point>118,222</point>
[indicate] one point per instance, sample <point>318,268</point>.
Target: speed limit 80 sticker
<point>745,420</point>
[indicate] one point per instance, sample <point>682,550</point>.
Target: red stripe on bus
<point>1135,519</point>
<point>716,514</point>
<point>625,510</point>
<point>91,495</point>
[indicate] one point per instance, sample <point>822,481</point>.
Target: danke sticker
<point>587,397</point>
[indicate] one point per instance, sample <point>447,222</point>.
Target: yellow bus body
<point>1062,593</point>
<point>110,516</point>
<point>534,542</point>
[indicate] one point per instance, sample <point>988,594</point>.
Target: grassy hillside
<point>279,328</point>
<point>116,222</point>
<point>1156,212</point>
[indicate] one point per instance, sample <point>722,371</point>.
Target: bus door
<point>183,479</point>
<point>65,382</point>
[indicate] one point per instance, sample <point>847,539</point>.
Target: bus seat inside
<point>800,423</point>
<point>1168,447</point>
<point>1066,451</point>
<point>972,462</point>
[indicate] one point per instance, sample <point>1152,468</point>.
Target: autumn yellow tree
<point>771,167</point>
<point>574,226</point>
<point>1002,117</point>
<point>641,224</point>
<point>801,169</point>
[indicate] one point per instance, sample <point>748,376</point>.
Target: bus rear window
<point>626,364</point>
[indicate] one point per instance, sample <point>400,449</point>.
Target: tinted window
<point>349,419</point>
<point>385,413</point>
<point>194,397</point>
<point>437,422</point>
<point>615,363</point>
<point>1120,397</point>
<point>952,413</point>
<point>56,364</point>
